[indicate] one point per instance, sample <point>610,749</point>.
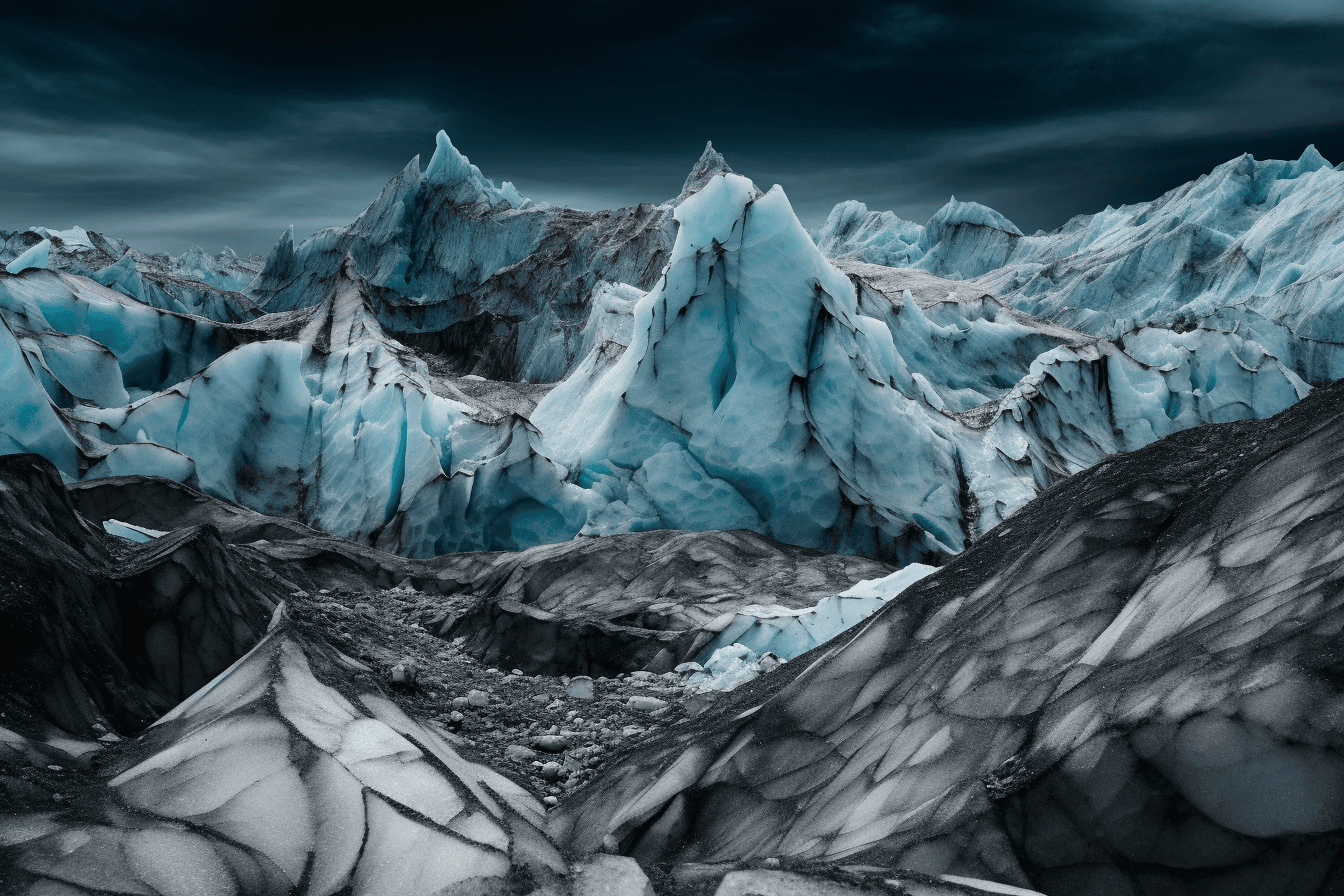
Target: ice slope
<point>193,282</point>
<point>286,774</point>
<point>755,395</point>
<point>1254,246</point>
<point>340,428</point>
<point>788,633</point>
<point>1130,687</point>
<point>474,273</point>
<point>764,389</point>
<point>95,345</point>
<point>318,417</point>
<point>35,257</point>
<point>1083,403</point>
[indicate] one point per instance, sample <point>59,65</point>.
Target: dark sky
<point>226,123</point>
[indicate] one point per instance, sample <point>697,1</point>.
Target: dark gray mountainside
<point>1130,687</point>
<point>599,606</point>
<point>97,632</point>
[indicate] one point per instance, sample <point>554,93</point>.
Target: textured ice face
<point>192,283</point>
<point>865,409</point>
<point>36,257</point>
<point>765,390</point>
<point>788,633</point>
<point>1127,687</point>
<point>474,272</point>
<point>1252,246</point>
<point>752,390</point>
<point>270,779</point>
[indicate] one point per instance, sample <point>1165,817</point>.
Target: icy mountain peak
<point>448,167</point>
<point>280,264</point>
<point>955,214</point>
<point>710,163</point>
<point>36,257</point>
<point>447,164</point>
<point>1310,160</point>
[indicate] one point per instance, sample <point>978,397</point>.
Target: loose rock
<point>519,753</point>
<point>644,703</point>
<point>551,743</point>
<point>605,875</point>
<point>580,687</point>
<point>405,673</point>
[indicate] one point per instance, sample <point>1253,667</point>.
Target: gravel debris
<point>552,734</point>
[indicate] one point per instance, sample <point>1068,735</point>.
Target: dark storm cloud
<point>224,124</point>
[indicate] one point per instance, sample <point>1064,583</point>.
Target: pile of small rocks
<point>550,733</point>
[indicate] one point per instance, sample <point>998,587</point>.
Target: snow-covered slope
<point>1254,246</point>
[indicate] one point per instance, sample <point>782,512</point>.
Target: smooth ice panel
<point>402,858</point>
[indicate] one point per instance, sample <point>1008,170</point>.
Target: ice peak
<point>1310,160</point>
<point>34,257</point>
<point>957,213</point>
<point>710,163</point>
<point>447,164</point>
<point>448,167</point>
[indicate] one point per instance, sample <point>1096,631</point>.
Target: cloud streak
<point>170,126</point>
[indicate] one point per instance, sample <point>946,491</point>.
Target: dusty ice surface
<point>1127,687</point>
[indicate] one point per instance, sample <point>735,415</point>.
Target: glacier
<point>1253,248</point>
<point>750,384</point>
<point>194,282</point>
<point>1105,461</point>
<point>763,388</point>
<point>493,283</point>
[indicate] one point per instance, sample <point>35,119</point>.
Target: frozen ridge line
<point>1254,247</point>
<point>869,410</point>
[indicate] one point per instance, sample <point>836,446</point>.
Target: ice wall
<point>888,412</point>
